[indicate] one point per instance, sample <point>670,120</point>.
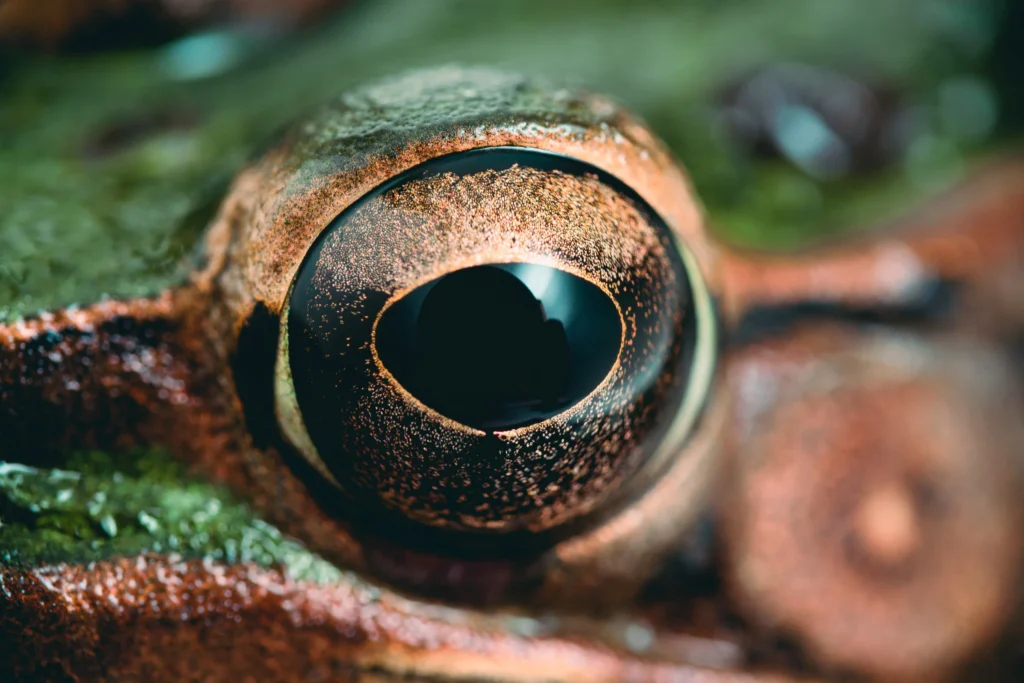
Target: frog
<point>789,466</point>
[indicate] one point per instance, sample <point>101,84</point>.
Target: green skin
<point>78,224</point>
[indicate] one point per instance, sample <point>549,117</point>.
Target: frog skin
<point>222,561</point>
<point>856,352</point>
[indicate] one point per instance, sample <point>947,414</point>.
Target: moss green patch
<point>81,220</point>
<point>104,506</point>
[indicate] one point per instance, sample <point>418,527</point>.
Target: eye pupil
<point>485,347</point>
<point>501,346</point>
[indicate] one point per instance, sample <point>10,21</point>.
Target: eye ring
<point>493,160</point>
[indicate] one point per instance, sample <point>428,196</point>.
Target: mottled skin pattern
<point>175,374</point>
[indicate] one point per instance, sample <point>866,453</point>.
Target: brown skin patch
<point>872,507</point>
<point>112,375</point>
<point>973,235</point>
<point>164,619</point>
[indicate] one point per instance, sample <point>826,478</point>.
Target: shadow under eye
<point>501,346</point>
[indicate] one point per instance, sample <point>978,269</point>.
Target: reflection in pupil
<point>483,343</point>
<point>482,347</point>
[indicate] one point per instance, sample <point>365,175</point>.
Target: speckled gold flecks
<point>552,471</point>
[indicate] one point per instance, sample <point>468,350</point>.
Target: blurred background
<point>121,121</point>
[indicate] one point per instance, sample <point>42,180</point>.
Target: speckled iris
<point>493,341</point>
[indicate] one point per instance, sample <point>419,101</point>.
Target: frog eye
<point>497,340</point>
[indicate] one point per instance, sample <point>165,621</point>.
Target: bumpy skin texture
<point>260,624</point>
<point>347,147</point>
<point>125,350</point>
